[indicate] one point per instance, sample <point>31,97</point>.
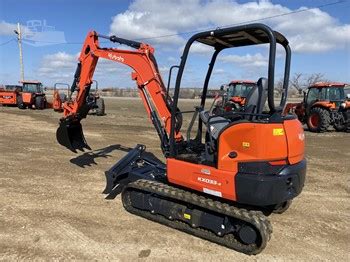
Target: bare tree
<point>314,78</point>
<point>297,82</point>
<point>301,81</point>
<point>279,86</point>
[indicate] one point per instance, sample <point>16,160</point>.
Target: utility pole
<point>19,40</point>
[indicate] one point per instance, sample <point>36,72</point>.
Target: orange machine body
<point>238,100</point>
<point>224,167</point>
<point>28,98</point>
<point>8,97</point>
<point>57,103</point>
<point>277,144</point>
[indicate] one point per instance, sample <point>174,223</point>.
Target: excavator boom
<point>145,73</point>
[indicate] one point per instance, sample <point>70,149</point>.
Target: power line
<point>58,43</point>
<point>7,42</point>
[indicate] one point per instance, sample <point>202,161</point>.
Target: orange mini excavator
<point>217,184</point>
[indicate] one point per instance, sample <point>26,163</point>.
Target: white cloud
<point>138,25</point>
<point>312,30</point>
<point>199,48</point>
<point>219,71</point>
<point>248,61</point>
<point>7,29</point>
<point>172,59</point>
<point>61,66</point>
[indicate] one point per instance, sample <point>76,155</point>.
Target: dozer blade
<point>70,135</point>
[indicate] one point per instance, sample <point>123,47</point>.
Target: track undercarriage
<point>141,180</point>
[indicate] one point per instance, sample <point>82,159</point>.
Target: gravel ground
<point>51,205</point>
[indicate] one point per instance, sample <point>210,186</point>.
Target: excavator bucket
<point>70,135</point>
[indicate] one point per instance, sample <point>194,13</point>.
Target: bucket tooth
<point>70,135</point>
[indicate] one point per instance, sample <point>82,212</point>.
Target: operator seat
<point>256,99</point>
<point>216,123</point>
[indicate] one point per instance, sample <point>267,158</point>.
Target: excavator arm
<point>145,73</point>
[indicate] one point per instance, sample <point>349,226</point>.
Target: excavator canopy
<point>244,37</point>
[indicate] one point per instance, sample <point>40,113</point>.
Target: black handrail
<point>169,79</point>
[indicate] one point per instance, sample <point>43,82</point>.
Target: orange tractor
<point>215,184</point>
<point>29,95</point>
<point>325,104</point>
<point>233,96</point>
<point>32,96</point>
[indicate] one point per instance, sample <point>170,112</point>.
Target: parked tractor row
<point>31,95</point>
<point>324,104</point>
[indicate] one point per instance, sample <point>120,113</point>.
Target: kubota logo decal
<point>205,171</point>
<point>115,57</point>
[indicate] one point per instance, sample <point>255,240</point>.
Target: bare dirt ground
<point>51,205</point>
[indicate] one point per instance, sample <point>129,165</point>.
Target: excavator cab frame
<point>221,39</point>
<point>169,80</point>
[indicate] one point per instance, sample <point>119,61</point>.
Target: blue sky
<point>320,37</point>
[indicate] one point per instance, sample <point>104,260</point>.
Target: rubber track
<point>255,218</point>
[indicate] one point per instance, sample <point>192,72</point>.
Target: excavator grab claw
<point>70,135</point>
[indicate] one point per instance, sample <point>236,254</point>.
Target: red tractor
<point>233,96</point>
<point>324,104</point>
<point>32,96</point>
